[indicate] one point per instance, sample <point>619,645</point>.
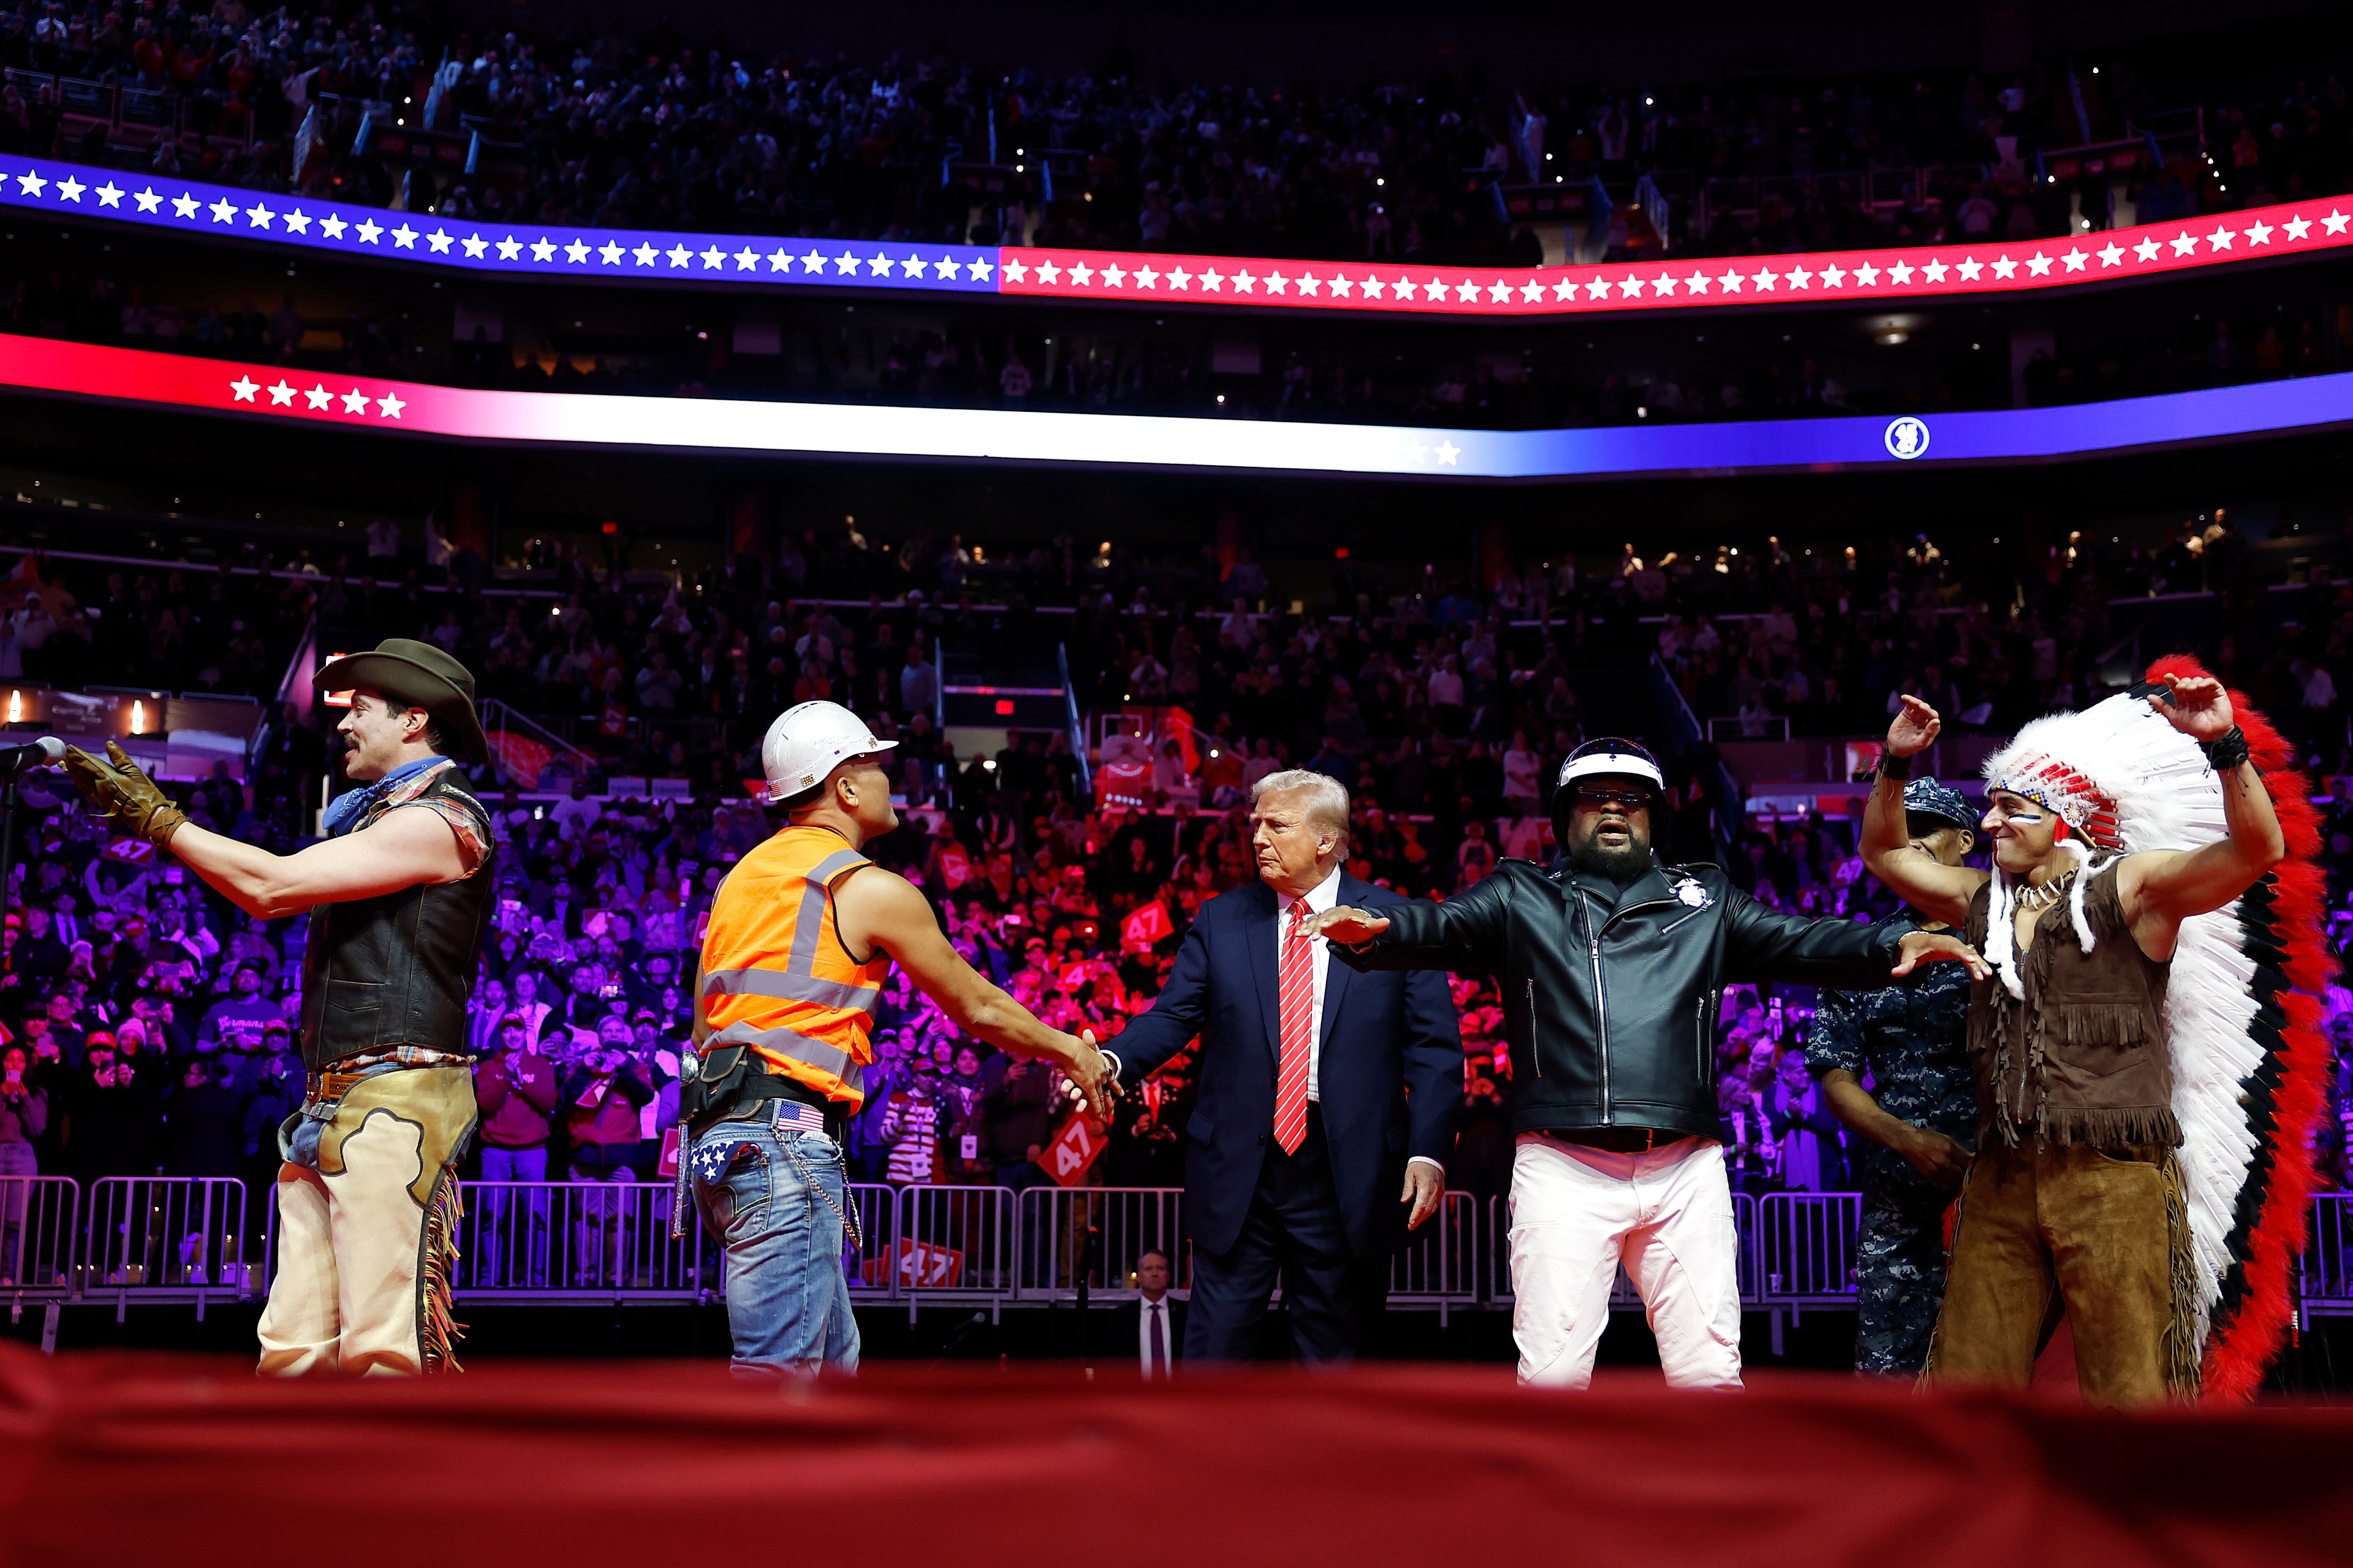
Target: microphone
<point>47,751</point>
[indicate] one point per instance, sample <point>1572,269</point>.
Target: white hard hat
<point>808,741</point>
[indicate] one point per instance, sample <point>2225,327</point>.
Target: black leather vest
<point>399,969</point>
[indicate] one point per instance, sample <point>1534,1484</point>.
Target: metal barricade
<point>601,1240</point>
<point>875,1206</point>
<point>1439,1264</point>
<point>1805,1249</point>
<point>165,1237</point>
<point>2324,1268</point>
<point>37,1235</point>
<point>1127,1221</point>
<point>953,1244</point>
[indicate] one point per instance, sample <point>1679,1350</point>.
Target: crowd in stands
<point>664,131</point>
<point>150,1024</point>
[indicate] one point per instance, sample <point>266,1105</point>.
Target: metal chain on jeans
<point>847,1216</point>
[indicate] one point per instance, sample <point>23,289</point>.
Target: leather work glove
<point>123,795</point>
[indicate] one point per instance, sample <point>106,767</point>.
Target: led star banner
<point>276,395</point>
<point>1873,277</point>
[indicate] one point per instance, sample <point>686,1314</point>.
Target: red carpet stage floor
<point>119,1459</point>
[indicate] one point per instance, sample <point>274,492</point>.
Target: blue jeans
<point>774,1198</point>
<point>510,1235</point>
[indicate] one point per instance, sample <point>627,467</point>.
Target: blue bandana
<point>345,812</point>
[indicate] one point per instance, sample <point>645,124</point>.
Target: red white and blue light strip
<point>278,396</point>
<point>1872,277</point>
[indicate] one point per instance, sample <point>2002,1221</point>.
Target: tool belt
<point>730,1083</point>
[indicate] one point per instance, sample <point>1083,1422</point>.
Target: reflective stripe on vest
<point>774,977</point>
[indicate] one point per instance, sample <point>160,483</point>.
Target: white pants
<point>1577,1213</point>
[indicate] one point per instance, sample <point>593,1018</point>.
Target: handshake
<point>1090,1074</point>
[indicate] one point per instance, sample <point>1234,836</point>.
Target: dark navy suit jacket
<point>1389,1082</point>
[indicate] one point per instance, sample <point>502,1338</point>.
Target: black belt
<point>1617,1140</point>
<point>760,1089</point>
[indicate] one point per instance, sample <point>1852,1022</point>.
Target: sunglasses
<point>1598,796</point>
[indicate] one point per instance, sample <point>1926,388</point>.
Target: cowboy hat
<point>415,675</point>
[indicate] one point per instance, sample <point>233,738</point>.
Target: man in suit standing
<point>1153,1325</point>
<point>1322,1090</point>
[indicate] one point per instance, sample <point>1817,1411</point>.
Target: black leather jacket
<point>1611,1010</point>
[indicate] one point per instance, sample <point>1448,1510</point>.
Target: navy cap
<point>1929,798</point>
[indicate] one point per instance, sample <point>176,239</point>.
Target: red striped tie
<point>1298,1031</point>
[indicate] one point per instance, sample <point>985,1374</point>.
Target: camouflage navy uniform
<point>1905,1041</point>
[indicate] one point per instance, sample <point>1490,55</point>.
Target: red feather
<point>2240,1347</point>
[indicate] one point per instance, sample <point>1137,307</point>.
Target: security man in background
<point>1919,1113</point>
<point>802,935</point>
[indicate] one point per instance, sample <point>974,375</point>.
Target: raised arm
<point>1938,890</point>
<point>2160,889</point>
<point>878,908</point>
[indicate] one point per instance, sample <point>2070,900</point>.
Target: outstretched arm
<point>1938,890</point>
<point>2160,889</point>
<point>1463,934</point>
<point>878,909</point>
<point>401,849</point>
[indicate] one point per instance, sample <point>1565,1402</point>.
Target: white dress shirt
<point>1145,1310</point>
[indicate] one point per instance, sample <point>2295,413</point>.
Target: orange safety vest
<point>775,975</point>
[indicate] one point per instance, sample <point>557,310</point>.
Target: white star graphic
<point>1145,277</point>
<point>297,221</point>
<point>1018,271</point>
<point>1469,292</point>
<point>109,195</point>
<point>1533,293</point>
<point>2003,266</point>
<point>183,204</point>
<point>610,253</point>
<point>679,255</point>
<point>1799,278</point>
<point>2297,227</point>
<point>576,252</point>
<point>1340,283</point>
<point>30,183</point>
<point>2260,232</point>
<point>2183,243</point>
<point>2111,253</point>
<point>780,260</point>
<point>1566,288</point>
<point>148,200</point>
<point>1214,281</point>
<point>1764,279</point>
<point>1697,283</point>
<point>223,211</point>
<point>391,406</point>
<point>404,238</point>
<point>245,387</point>
<point>1969,267</point>
<point>1867,274</point>
<point>813,262</point>
<point>1934,270</point>
<point>1629,287</point>
<point>319,396</point>
<point>644,255</point>
<point>881,266</point>
<point>2074,260</point>
<point>2038,264</point>
<point>746,259</point>
<point>1309,284</point>
<point>1447,451</point>
<point>1115,276</point>
<point>70,189</point>
<point>2335,222</point>
<point>1499,293</point>
<point>1433,290</point>
<point>1177,277</point>
<point>474,245</point>
<point>258,217</point>
<point>355,401</point>
<point>369,228</point>
<point>438,242</point>
<point>1048,273</point>
<point>2146,249</point>
<point>980,269</point>
<point>1833,276</point>
<point>1373,287</point>
<point>332,227</point>
<point>1730,283</point>
<point>509,248</point>
<point>282,394</point>
<point>2222,237</point>
<point>1245,282</point>
<point>1900,273</point>
<point>1276,283</point>
<point>542,249</point>
<point>1084,276</point>
<point>1597,287</point>
<point>714,260</point>
<point>845,263</point>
